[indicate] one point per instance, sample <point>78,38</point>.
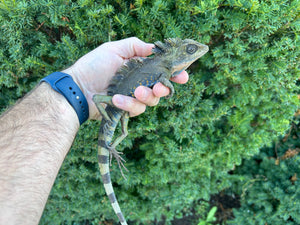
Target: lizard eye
<point>191,48</point>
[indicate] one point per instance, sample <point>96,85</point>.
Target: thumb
<point>131,47</point>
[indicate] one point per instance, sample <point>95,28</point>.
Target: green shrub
<point>240,97</point>
<point>270,193</point>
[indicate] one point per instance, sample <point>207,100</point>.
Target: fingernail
<point>118,100</point>
<point>141,93</point>
<point>144,94</point>
<point>166,91</point>
<point>162,90</point>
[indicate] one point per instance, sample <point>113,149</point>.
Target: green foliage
<point>270,193</point>
<point>241,96</point>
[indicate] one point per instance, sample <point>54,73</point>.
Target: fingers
<point>181,78</point>
<point>160,90</point>
<point>129,104</point>
<point>146,96</point>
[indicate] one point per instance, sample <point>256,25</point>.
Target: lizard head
<point>179,54</point>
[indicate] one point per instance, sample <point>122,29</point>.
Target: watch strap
<point>64,84</point>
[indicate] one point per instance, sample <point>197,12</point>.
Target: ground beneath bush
<point>224,202</point>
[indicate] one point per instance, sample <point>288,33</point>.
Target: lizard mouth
<point>179,68</point>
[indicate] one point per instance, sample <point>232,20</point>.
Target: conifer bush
<point>240,97</point>
<point>270,192</point>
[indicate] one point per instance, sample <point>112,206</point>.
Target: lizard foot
<point>114,153</point>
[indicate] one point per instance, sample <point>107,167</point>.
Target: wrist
<point>87,87</point>
<point>65,85</point>
<point>57,105</point>
<point>72,73</point>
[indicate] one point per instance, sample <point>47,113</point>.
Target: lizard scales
<point>170,58</point>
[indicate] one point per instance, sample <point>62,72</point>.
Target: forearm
<point>35,136</point>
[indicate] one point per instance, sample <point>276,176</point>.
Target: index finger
<point>181,78</point>
<point>159,90</point>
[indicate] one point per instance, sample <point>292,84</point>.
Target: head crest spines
<point>167,46</point>
<point>173,42</point>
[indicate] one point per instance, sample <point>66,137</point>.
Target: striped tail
<point>107,130</point>
<point>103,158</point>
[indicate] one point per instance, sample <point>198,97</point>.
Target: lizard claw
<point>115,154</point>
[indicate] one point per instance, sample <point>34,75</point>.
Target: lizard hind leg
<point>117,155</point>
<point>124,125</point>
<point>98,100</point>
<point>112,148</point>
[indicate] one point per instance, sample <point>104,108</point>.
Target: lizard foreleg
<point>165,81</point>
<point>98,99</point>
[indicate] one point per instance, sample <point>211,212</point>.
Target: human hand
<point>93,72</point>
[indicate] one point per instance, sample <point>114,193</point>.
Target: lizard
<point>168,60</point>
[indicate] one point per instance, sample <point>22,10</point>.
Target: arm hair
<point>35,136</point>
